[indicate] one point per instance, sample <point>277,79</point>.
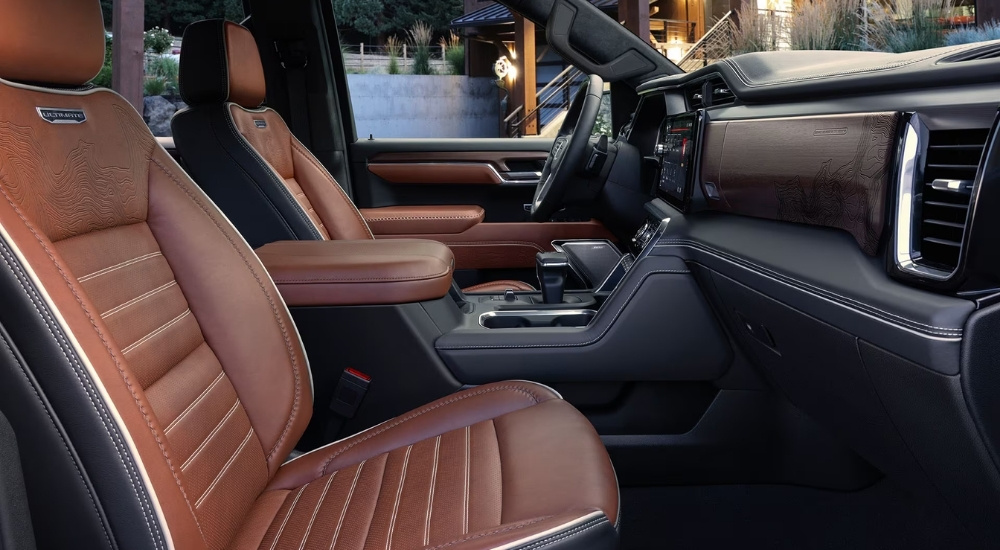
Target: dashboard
<point>840,211</point>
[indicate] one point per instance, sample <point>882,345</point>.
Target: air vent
<point>952,162</point>
<point>708,93</point>
<point>695,96</point>
<point>720,93</point>
<point>990,51</point>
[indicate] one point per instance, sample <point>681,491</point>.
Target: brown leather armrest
<point>341,273</point>
<point>422,220</point>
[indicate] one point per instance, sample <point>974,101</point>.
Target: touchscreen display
<point>676,149</point>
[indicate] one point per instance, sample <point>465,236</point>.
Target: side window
<point>163,26</point>
<point>452,73</point>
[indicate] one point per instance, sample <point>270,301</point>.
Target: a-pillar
<point>526,81</point>
<point>127,71</point>
<point>635,15</point>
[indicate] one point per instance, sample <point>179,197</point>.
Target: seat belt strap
<point>294,59</point>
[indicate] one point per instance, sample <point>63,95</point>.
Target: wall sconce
<point>504,68</point>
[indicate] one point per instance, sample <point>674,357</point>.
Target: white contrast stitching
<point>885,315</point>
<point>399,495</point>
<point>164,327</point>
<point>116,267</point>
<point>211,435</point>
<point>199,399</point>
<point>225,468</point>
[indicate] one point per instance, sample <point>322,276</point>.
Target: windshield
<point>855,25</point>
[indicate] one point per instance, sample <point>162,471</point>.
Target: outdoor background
<point>428,68</point>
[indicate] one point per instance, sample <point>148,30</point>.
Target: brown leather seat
<point>245,157</point>
<point>159,329</point>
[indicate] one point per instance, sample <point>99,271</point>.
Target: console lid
<point>341,273</point>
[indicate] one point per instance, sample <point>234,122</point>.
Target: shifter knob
<point>551,268</point>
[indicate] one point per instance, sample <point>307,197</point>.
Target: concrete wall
<point>412,106</point>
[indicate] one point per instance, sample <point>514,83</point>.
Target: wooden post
<point>525,82</point>
<point>127,71</point>
<point>986,11</point>
<point>362,57</point>
<point>635,15</point>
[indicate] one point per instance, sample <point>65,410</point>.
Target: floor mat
<point>881,517</point>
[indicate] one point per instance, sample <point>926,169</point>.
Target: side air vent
<point>695,96</point>
<point>937,175</point>
<point>708,93</point>
<point>720,92</point>
<point>989,51</point>
<point>952,161</point>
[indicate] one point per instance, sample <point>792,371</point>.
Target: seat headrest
<point>58,42</point>
<point>220,63</point>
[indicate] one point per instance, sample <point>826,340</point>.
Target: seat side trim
<point>150,505</point>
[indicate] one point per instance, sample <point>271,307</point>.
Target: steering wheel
<point>568,149</point>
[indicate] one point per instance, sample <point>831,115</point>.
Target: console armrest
<point>422,220</point>
<point>341,273</point>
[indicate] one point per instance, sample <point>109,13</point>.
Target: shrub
<point>157,40</point>
<point>755,31</point>
<point>154,86</point>
<point>920,27</point>
<point>827,25</point>
<point>164,67</point>
<point>812,27</point>
<point>967,35</point>
<point>454,53</point>
<point>420,36</point>
<point>103,78</point>
<point>394,47</point>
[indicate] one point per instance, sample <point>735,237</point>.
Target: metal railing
<point>551,100</point>
<point>716,44</point>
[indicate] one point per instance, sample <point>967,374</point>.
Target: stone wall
<point>411,106</point>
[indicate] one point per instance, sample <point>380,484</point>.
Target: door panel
<point>496,174</point>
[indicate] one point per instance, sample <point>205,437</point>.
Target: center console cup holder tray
<point>571,318</point>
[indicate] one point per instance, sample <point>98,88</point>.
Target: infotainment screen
<point>677,147</point>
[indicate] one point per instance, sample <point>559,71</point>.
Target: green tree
<point>400,15</point>
<point>363,16</point>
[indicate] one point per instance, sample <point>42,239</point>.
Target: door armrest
<point>422,220</point>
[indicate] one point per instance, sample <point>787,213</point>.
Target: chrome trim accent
<point>955,186</point>
<point>536,313</point>
<point>912,150</point>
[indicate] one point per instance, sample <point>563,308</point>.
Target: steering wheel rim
<point>568,149</point>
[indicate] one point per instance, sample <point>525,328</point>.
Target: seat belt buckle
<point>350,391</point>
<point>291,55</point>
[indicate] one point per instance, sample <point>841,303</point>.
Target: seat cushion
<point>486,467</point>
<point>499,286</point>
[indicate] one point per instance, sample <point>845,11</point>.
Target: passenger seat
<point>245,157</point>
<point>156,380</point>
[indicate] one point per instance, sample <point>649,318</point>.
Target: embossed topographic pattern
<point>829,171</point>
<point>83,190</point>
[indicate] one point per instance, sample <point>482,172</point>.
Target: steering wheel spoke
<point>568,150</point>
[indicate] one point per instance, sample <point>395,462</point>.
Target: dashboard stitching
<point>750,83</point>
<point>588,342</point>
<point>849,302</point>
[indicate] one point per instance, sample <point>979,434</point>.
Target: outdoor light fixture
<point>503,68</point>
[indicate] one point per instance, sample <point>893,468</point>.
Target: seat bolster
<point>455,411</point>
<point>236,179</point>
<point>574,529</point>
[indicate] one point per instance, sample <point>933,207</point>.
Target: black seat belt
<point>294,59</point>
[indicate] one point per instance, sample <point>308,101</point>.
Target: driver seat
<point>245,157</point>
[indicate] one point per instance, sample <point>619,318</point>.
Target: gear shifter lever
<point>551,268</point>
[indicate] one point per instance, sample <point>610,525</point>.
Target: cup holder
<point>537,319</point>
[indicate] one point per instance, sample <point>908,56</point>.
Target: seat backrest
<point>145,328</point>
<point>243,155</point>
